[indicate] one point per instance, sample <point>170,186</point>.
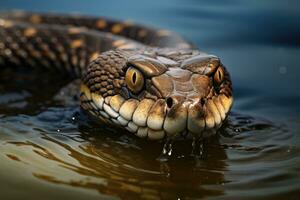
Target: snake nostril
<point>170,102</point>
<point>202,101</point>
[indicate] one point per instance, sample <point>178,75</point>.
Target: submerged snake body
<point>151,82</point>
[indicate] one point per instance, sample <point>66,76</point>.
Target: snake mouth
<point>156,119</point>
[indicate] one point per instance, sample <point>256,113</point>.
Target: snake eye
<point>134,80</point>
<point>219,76</point>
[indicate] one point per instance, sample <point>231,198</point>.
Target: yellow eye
<point>134,80</point>
<point>219,76</point>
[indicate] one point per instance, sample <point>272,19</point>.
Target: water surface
<point>50,150</point>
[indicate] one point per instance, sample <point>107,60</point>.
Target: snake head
<point>156,93</point>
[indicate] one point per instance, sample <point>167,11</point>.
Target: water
<point>48,149</point>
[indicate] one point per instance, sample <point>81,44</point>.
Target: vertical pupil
<point>134,77</point>
<point>220,75</point>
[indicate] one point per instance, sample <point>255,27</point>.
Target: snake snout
<point>184,114</point>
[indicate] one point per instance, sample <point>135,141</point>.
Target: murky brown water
<point>50,150</point>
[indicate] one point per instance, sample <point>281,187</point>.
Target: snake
<point>150,81</point>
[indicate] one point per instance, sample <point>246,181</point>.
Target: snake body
<point>149,81</point>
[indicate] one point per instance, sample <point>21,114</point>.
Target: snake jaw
<point>153,119</point>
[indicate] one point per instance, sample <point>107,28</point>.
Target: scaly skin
<point>150,82</point>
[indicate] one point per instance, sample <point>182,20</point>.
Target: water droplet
<point>237,130</point>
<point>166,152</point>
<point>180,156</point>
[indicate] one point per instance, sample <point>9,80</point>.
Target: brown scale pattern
<point>145,35</point>
<point>105,74</point>
<point>46,46</point>
<point>226,86</point>
<point>37,49</point>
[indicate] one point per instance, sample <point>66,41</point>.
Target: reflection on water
<point>126,167</point>
<point>48,146</point>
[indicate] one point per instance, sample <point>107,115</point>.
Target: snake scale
<point>149,81</point>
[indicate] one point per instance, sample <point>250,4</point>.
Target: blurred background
<point>258,41</point>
